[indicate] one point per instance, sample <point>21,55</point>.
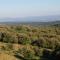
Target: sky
<point>26,8</point>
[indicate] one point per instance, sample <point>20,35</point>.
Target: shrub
<point>23,39</point>
<point>40,42</point>
<point>28,54</point>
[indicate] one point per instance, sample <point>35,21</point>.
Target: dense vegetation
<point>26,42</point>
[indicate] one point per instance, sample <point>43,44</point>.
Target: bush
<point>24,39</point>
<point>28,54</point>
<point>40,42</point>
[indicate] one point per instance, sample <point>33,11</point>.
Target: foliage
<point>43,41</point>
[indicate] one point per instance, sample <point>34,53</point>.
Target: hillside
<point>30,42</point>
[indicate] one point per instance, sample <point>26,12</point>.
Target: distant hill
<point>32,23</point>
<point>36,20</point>
<point>32,19</point>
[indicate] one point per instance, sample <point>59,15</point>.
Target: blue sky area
<point>26,8</point>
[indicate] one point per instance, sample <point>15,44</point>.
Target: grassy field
<point>28,42</point>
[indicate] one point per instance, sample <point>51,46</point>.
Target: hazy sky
<point>25,8</point>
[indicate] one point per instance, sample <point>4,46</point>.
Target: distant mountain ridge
<point>32,19</point>
<point>32,23</point>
